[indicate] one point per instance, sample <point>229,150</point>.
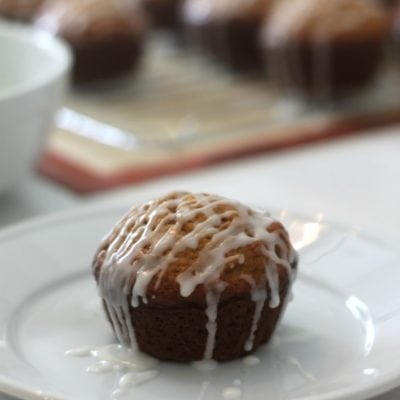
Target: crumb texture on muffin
<point>194,255</point>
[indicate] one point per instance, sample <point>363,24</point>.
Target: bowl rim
<point>58,50</point>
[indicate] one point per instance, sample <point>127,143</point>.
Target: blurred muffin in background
<point>390,3</point>
<point>106,36</point>
<point>164,14</point>
<point>19,10</point>
<point>325,49</point>
<point>396,29</point>
<point>228,30</point>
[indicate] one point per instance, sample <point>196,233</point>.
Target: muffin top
<point>183,247</point>
<point>200,11</point>
<point>21,9</point>
<point>321,21</point>
<point>91,19</point>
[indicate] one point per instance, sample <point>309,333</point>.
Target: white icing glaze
<point>251,361</point>
<point>259,296</point>
<point>232,393</point>
<point>135,378</point>
<point>205,365</point>
<point>211,313</point>
<point>127,358</point>
<point>119,392</point>
<point>79,352</point>
<point>302,371</point>
<point>136,367</point>
<point>100,367</point>
<point>152,236</point>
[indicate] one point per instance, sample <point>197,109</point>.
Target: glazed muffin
<point>227,30</point>
<point>106,36</point>
<point>188,277</point>
<point>164,14</point>
<point>19,10</point>
<point>324,49</point>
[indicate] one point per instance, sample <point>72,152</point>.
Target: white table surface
<point>353,181</point>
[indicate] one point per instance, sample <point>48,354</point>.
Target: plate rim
<point>361,391</point>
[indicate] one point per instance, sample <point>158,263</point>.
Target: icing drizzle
<point>153,236</point>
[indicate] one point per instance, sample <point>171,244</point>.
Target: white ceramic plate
<point>338,340</point>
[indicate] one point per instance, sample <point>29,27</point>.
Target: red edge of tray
<point>84,180</point>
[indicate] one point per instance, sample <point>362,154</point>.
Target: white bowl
<point>33,70</point>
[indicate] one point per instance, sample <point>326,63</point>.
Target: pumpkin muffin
<point>227,30</point>
<point>106,36</point>
<point>325,49</point>
<point>164,14</point>
<point>188,277</point>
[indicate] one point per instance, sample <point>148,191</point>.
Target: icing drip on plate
<point>154,236</point>
<point>135,367</point>
<point>232,393</point>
